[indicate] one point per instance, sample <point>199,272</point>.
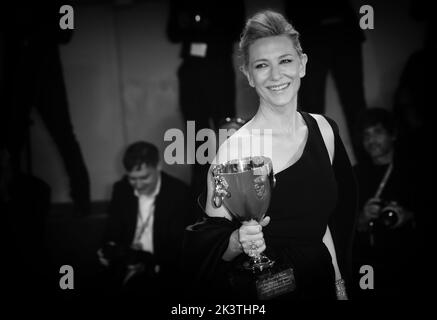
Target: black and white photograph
<point>215,159</point>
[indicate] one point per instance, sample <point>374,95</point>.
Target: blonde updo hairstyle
<point>266,24</point>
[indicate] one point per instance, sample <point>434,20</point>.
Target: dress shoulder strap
<point>323,140</point>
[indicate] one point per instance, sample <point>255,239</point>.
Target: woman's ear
<point>246,73</point>
<point>303,65</point>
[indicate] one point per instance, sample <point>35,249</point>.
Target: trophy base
<point>274,282</point>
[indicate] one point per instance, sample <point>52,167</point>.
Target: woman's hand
<point>251,237</point>
<point>248,238</point>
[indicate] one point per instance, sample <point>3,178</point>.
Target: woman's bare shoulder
<point>234,147</point>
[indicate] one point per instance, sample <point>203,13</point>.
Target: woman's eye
<point>260,65</point>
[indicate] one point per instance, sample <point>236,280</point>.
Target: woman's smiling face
<point>275,69</point>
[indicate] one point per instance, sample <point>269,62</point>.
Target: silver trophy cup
<point>244,186</point>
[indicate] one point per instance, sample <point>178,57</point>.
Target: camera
<point>388,217</point>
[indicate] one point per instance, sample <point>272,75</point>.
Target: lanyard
<point>384,181</point>
<point>377,195</point>
<point>144,224</point>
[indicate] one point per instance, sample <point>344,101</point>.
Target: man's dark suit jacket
<point>171,216</point>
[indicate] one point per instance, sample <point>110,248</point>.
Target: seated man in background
<point>386,236</point>
<point>148,213</point>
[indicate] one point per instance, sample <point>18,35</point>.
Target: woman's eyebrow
<point>286,55</point>
<point>280,57</point>
<point>259,60</point>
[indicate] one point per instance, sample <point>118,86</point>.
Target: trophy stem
<point>258,263</point>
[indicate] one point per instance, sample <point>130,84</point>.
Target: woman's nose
<point>276,73</point>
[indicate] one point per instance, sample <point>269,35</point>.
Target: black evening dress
<point>309,195</point>
<point>303,199</point>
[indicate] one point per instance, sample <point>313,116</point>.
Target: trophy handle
<point>217,201</point>
<point>220,189</point>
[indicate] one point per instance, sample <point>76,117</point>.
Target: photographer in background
<point>386,232</point>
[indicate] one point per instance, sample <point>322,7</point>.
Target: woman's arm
<point>234,246</point>
<point>327,240</point>
<point>343,219</point>
<point>339,282</point>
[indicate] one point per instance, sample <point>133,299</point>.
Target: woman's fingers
<point>254,247</point>
<point>251,236</point>
<point>265,221</point>
<point>254,244</point>
<point>250,228</point>
<point>262,248</point>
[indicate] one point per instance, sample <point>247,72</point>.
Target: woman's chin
<point>282,103</point>
<point>283,100</point>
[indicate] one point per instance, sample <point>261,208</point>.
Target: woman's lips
<point>279,87</point>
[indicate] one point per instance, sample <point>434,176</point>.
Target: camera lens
<point>388,218</point>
